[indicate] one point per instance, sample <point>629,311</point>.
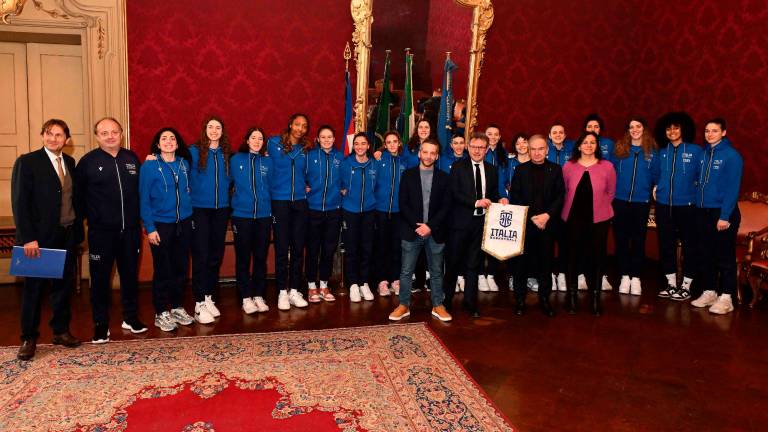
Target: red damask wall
<point>555,59</point>
<point>251,62</point>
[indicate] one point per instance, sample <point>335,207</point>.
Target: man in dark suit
<point>539,185</point>
<point>424,207</point>
<point>474,186</point>
<point>42,194</point>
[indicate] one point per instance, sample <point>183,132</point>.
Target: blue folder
<point>50,263</point>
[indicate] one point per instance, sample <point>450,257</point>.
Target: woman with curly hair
<point>636,161</point>
<point>289,207</point>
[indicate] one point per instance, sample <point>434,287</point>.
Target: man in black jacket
<point>539,185</point>
<point>43,193</point>
<point>108,185</point>
<point>424,207</point>
<point>474,186</point>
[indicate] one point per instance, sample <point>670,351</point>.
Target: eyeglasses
<point>476,147</point>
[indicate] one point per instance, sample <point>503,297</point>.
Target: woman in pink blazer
<point>590,184</point>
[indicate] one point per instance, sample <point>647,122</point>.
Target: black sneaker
<point>134,325</point>
<point>667,292</point>
<point>101,334</point>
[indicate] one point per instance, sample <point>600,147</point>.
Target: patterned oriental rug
<point>383,378</point>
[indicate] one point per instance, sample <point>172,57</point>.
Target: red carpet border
<point>382,378</point>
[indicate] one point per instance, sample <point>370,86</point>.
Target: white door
<point>14,117</point>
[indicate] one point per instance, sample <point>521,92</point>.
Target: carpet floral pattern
<point>383,378</point>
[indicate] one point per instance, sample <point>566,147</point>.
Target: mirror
<point>430,28</point>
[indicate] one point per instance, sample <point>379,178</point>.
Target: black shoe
<point>100,334</point>
<point>475,314</point>
<point>597,308</point>
<point>546,308</point>
<point>134,325</point>
<point>27,349</point>
<point>66,339</point>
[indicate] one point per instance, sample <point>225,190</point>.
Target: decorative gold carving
<point>65,12</point>
<point>482,19</point>
<point>9,8</point>
<point>362,15</point>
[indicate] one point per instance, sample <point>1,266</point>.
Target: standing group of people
<point>417,208</point>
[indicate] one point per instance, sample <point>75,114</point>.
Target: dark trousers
<point>464,253</point>
<point>170,260</point>
<point>559,235</point>
<point>717,251</point>
<point>105,247</point>
<point>358,246</point>
<point>209,228</point>
<point>586,253</point>
<point>388,248</point>
<point>489,265</point>
<point>60,289</point>
<point>290,219</point>
<point>630,224</point>
<point>251,246</point>
<point>535,262</point>
<point>322,242</point>
<point>673,223</point>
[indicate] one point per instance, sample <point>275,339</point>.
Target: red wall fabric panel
<point>449,29</point>
<point>554,59</point>
<point>250,62</point>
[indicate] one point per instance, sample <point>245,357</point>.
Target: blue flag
<point>445,117</point>
<point>349,126</point>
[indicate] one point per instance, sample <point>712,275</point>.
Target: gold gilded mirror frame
<point>362,15</point>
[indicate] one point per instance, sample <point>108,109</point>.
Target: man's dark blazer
<point>412,204</point>
<point>523,184</point>
<point>36,198</point>
<point>463,190</point>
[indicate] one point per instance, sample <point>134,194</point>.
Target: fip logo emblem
<point>505,219</point>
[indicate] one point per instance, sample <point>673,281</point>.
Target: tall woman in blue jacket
<point>636,161</point>
<point>675,201</point>
<point>718,218</point>
<point>324,200</point>
<point>389,171</point>
<point>251,170</point>
<point>209,177</point>
<point>358,177</point>
<point>289,207</point>
<point>166,212</point>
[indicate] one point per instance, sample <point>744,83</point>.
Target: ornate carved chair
<point>758,271</point>
<point>753,229</point>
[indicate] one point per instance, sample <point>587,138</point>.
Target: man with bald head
<point>539,185</point>
<point>108,180</point>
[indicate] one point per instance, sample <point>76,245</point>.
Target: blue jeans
<point>434,253</point>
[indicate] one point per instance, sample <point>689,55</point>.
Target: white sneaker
<point>624,285</point>
<point>581,283</point>
<point>554,282</point>
<point>723,305</point>
<point>533,284</point>
<point>561,285</point>
<point>365,290</point>
<point>635,288</point>
<point>511,283</point>
<point>296,299</point>
<point>181,316</point>
<point>384,289</point>
<point>460,284</point>
<point>606,286</point>
<point>492,284</point>
<point>354,293</point>
<point>249,306</point>
<point>203,315</point>
<point>311,285</point>
<point>707,298</point>
<point>283,302</point>
<point>261,306</point>
<point>482,284</point>
<point>165,322</point>
<point>212,306</point>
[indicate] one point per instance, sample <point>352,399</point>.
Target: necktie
<point>478,186</point>
<point>60,170</point>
